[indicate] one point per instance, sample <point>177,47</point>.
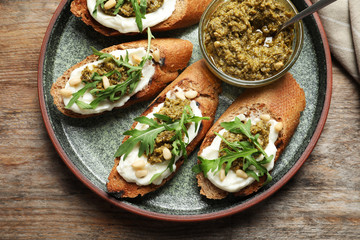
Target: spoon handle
<point>307,11</point>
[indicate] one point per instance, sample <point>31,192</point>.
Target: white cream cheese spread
<point>125,168</point>
<point>106,105</point>
<point>233,183</point>
<point>128,24</point>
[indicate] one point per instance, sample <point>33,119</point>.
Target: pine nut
<point>65,92</point>
<point>222,174</point>
<point>138,164</point>
<point>156,55</point>
<point>74,81</point>
<point>278,65</point>
<point>141,173</point>
<point>241,173</point>
<point>278,127</point>
<point>109,4</point>
<point>265,117</point>
<point>191,94</point>
<point>217,44</point>
<point>180,95</point>
<point>260,141</point>
<point>106,82</point>
<point>136,59</point>
<point>166,153</point>
<point>242,117</point>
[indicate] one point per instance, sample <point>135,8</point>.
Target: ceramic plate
<point>87,146</point>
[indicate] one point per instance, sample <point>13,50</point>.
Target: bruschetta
<point>167,131</point>
<point>241,148</point>
<point>116,17</point>
<point>120,76</point>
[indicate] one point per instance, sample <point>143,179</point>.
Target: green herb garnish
<point>247,150</point>
<point>98,3</point>
<point>146,138</point>
<point>119,3</point>
<point>139,10</point>
<point>113,92</point>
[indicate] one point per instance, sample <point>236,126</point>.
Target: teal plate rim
<point>326,68</point>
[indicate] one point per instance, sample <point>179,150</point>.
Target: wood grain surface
<point>41,199</point>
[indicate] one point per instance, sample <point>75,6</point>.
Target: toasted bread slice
<point>283,100</point>
<point>174,54</point>
<point>187,13</point>
<point>198,78</point>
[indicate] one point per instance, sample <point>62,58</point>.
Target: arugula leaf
<point>143,5</point>
<point>83,105</point>
<point>214,165</point>
<point>237,126</point>
<point>268,179</point>
<point>117,6</point>
<point>155,176</point>
<point>164,118</point>
<point>230,157</point>
<point>81,92</point>
<point>150,36</point>
<point>206,165</point>
<point>146,138</point>
<point>244,149</point>
<point>140,10</point>
<point>98,3</point>
<point>233,145</point>
<point>148,121</point>
<point>253,174</point>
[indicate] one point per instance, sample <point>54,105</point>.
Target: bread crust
<point>174,54</point>
<point>186,13</point>
<point>198,78</point>
<point>284,100</point>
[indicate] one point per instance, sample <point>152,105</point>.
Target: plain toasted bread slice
<point>174,54</point>
<point>198,78</point>
<point>187,13</point>
<point>284,100</point>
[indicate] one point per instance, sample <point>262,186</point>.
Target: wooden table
<point>41,198</point>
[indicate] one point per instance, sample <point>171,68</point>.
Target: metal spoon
<point>307,11</point>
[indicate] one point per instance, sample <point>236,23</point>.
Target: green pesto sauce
<point>238,38</point>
